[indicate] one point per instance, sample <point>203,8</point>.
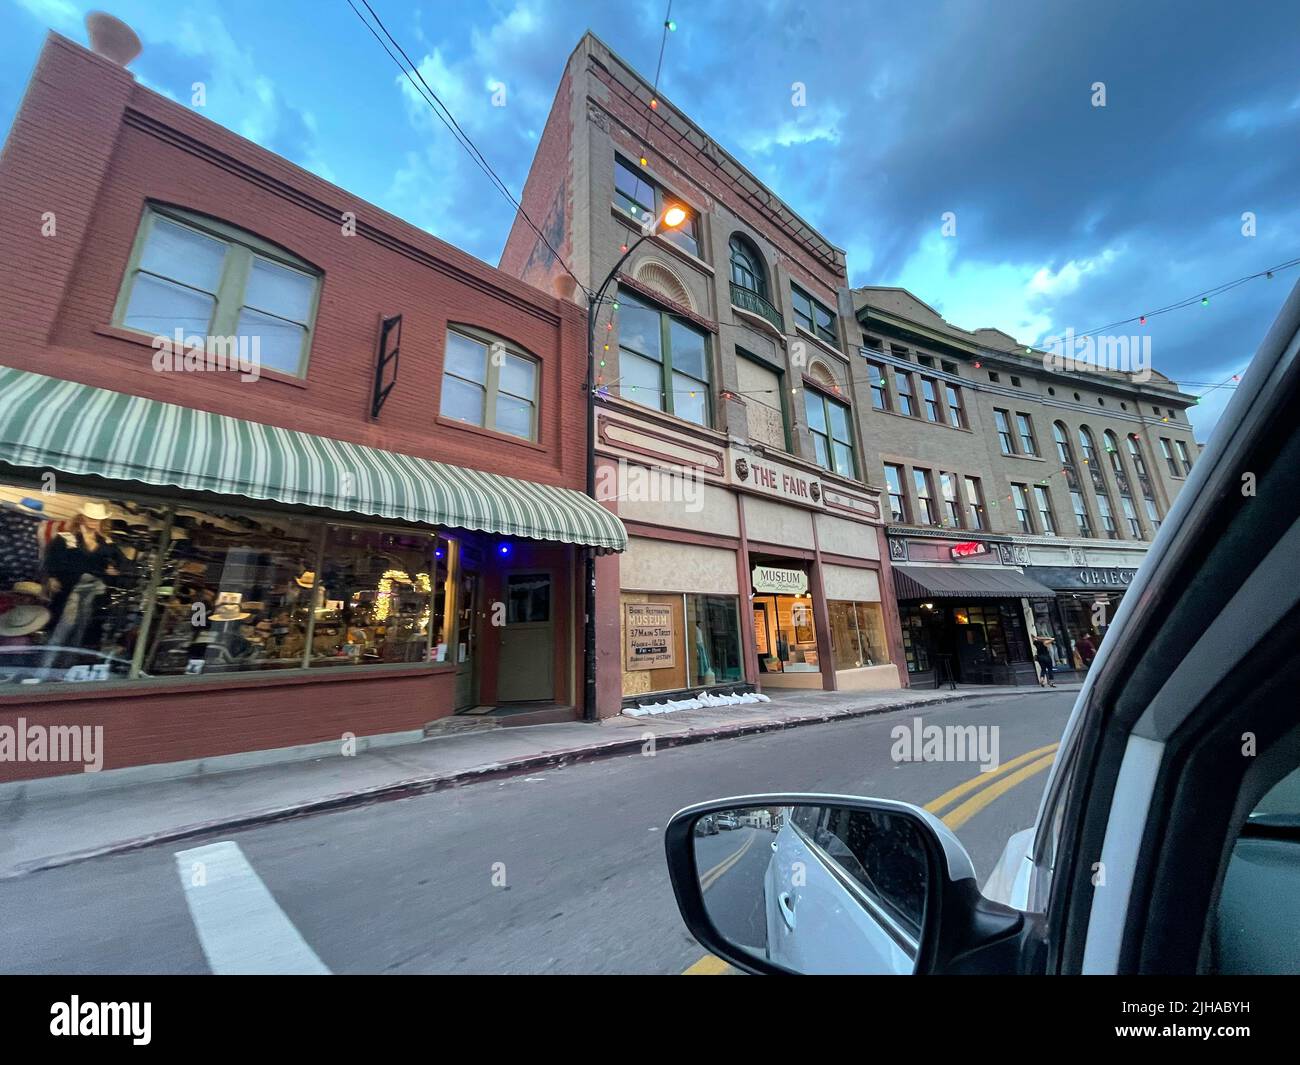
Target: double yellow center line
<point>988,786</point>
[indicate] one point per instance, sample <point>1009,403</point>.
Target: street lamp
<point>672,218</point>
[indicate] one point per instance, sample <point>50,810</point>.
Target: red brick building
<point>287,566</point>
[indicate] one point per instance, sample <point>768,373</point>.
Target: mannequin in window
<point>80,565</point>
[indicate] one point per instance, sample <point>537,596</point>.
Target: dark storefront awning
<point>964,582</point>
<point>46,423</point>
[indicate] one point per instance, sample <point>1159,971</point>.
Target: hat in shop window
<point>95,511</point>
<point>23,620</point>
<point>306,579</point>
<point>31,589</point>
<point>228,612</point>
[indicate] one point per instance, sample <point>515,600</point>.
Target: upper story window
<point>747,269</point>
<point>897,498</point>
<point>1169,457</point>
<point>813,316</point>
<point>1183,456</point>
<point>903,384</point>
<point>832,433</point>
<point>879,393</point>
<point>212,280</point>
<point>1046,516</point>
<point>1020,496</point>
<point>1062,439</point>
<point>1003,424</point>
<point>1081,512</point>
<point>1028,445</point>
<point>1087,446</point>
<point>487,383</point>
<point>641,199</point>
<point>930,396</point>
<point>925,514</point>
<point>1135,453</point>
<point>975,503</point>
<point>1116,461</point>
<point>663,362</point>
<point>761,388</point>
<point>956,412</point>
<point>951,501</point>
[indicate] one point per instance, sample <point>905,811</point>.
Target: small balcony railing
<point>749,300</point>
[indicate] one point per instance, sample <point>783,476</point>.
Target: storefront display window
<point>231,595</point>
<point>102,589</point>
<point>713,627</point>
<point>857,634</point>
<point>916,642</point>
<point>653,642</point>
<point>379,598</point>
<point>75,572</point>
<point>672,642</point>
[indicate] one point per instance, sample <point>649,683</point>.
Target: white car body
<point>814,923</point>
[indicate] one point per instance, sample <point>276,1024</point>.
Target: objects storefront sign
<point>651,642</point>
<point>969,549</point>
<point>1082,578</point>
<point>774,581</point>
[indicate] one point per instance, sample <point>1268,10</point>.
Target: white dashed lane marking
<point>240,925</point>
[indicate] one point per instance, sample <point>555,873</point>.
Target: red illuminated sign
<point>969,549</point>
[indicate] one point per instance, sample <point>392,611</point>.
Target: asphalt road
<point>562,871</point>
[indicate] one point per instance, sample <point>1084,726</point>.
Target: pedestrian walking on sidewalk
<point>1045,662</point>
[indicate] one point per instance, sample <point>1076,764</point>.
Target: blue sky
<point>1067,214</point>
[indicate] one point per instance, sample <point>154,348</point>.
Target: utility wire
<point>449,120</point>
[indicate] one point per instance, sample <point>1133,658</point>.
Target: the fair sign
<point>774,581</point>
<point>775,479</point>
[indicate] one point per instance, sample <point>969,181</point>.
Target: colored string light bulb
<point>672,26</point>
<point>1142,320</point>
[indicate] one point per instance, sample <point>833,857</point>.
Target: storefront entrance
<point>975,642</point>
<point>526,669</point>
<point>466,641</point>
<point>785,636</point>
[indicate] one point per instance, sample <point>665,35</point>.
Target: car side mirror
<point>847,885</point>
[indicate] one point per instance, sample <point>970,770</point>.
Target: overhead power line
<point>448,119</point>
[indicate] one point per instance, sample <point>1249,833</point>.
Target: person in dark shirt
<point>87,550</point>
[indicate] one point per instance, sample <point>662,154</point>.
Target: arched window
<point>1087,446</point>
<point>1135,453</point>
<point>747,269</point>
<point>209,279</point>
<point>1116,460</point>
<point>1062,439</point>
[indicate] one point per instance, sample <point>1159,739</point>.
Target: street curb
<point>423,785</point>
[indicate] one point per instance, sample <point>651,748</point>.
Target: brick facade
<point>89,148</point>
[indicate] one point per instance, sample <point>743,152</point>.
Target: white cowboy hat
<point>228,612</point>
<point>22,620</point>
<point>95,511</point>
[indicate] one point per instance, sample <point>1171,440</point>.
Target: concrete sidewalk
<point>39,830</point>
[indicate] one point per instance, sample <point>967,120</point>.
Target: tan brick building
<point>726,432</point>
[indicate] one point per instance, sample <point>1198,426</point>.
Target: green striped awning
<point>46,423</point>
